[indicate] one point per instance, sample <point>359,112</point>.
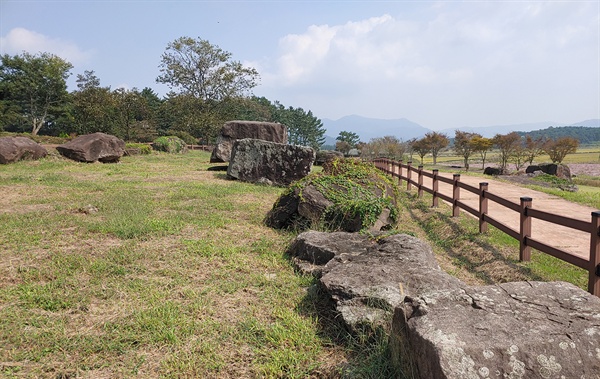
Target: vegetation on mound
<point>170,144</point>
<point>356,189</point>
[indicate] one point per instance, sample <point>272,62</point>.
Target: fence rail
<point>527,213</point>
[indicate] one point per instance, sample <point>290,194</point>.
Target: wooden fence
<point>523,235</point>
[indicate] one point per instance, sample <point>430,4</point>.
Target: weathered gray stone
<point>510,330</point>
<point>95,147</point>
<point>236,130</point>
<point>13,149</point>
<point>254,160</point>
<point>559,170</point>
<point>366,279</point>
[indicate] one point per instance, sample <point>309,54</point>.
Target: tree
<point>36,85</point>
<point>197,68</point>
<point>93,105</point>
<point>463,145</point>
<point>506,143</point>
<point>436,142</point>
<point>343,147</point>
<point>349,137</point>
<point>533,147</point>
<point>303,127</point>
<point>559,148</point>
<point>421,147</point>
<point>482,145</point>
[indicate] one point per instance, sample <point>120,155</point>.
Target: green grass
<point>173,276</point>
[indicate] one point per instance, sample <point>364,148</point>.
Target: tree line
<point>511,147</point>
<point>207,88</point>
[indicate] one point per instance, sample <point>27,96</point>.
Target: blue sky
<point>440,64</point>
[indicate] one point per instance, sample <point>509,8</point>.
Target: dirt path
<point>570,240</point>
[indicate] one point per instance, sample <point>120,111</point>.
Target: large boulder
<point>236,130</point>
<point>96,147</point>
<point>13,149</point>
<point>254,160</point>
<point>347,195</point>
<point>444,328</point>
<point>367,279</point>
<point>559,170</point>
<point>494,171</point>
<point>511,330</point>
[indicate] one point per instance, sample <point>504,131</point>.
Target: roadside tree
<point>436,142</point>
<point>507,144</point>
<point>421,147</point>
<point>350,137</point>
<point>482,145</point>
<point>463,145</point>
<point>559,148</point>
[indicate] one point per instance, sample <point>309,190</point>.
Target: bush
<point>170,144</point>
<point>187,137</point>
<point>143,148</point>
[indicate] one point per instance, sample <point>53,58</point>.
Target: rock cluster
<point>445,328</point>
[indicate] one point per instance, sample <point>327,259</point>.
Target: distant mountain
<point>368,128</point>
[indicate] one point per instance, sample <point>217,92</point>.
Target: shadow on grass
<point>467,248</point>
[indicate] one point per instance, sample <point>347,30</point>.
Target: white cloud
<point>20,39</point>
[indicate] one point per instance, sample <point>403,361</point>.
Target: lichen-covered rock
<point>13,149</point>
<point>236,130</point>
<point>367,279</point>
<point>95,147</point>
<point>254,161</point>
<point>511,330</point>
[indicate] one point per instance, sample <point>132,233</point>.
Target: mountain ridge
<point>368,128</point>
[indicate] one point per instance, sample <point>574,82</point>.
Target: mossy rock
<point>170,144</point>
<point>348,195</point>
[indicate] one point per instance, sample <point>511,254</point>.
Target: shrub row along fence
<point>409,173</point>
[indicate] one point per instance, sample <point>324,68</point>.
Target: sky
<point>441,64</point>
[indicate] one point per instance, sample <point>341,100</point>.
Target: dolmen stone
<point>444,328</point>
<point>14,149</point>
<point>96,147</point>
<point>559,170</point>
<point>494,171</point>
<point>258,161</point>
<point>235,130</point>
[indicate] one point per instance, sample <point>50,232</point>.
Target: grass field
<point>158,268</point>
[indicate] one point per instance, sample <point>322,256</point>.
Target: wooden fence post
<point>455,195</point>
<point>435,187</point>
<point>483,207</point>
<point>525,230</point>
<point>420,180</point>
<point>408,176</point>
<point>400,173</point>
<point>594,276</point>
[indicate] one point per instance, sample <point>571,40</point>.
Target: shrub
<point>170,144</point>
<point>143,148</point>
<point>187,137</point>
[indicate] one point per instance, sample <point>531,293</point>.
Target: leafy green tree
<point>34,87</point>
<point>196,67</point>
<point>559,148</point>
<point>533,147</point>
<point>343,147</point>
<point>421,147</point>
<point>93,105</point>
<point>507,144</point>
<point>349,137</point>
<point>303,127</point>
<point>388,146</point>
<point>436,142</point>
<point>463,145</point>
<point>482,145</point>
